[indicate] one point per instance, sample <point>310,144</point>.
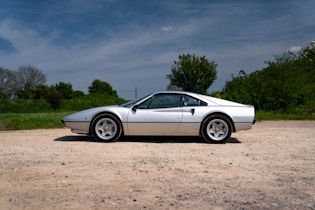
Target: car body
<point>166,113</point>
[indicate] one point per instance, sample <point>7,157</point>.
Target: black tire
<point>106,128</point>
<point>216,129</point>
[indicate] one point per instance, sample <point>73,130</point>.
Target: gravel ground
<point>271,166</point>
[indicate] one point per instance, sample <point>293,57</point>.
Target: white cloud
<point>167,28</point>
<point>295,48</point>
<point>26,42</point>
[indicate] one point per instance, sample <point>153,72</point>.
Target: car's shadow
<point>146,139</point>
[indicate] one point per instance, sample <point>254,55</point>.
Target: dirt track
<point>271,166</point>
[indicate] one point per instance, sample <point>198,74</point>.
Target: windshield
<point>131,103</point>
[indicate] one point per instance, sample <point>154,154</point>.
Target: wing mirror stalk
<point>135,107</point>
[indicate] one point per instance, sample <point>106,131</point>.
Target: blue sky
<point>133,43</point>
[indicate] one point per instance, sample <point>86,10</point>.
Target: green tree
<point>193,73</point>
<point>54,98</point>
<point>78,94</point>
<point>307,63</point>
<point>56,94</point>
<point>65,90</point>
<point>308,52</point>
<point>102,87</point>
<point>41,92</point>
<point>238,88</point>
<point>287,84</point>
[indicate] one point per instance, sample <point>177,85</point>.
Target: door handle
<point>186,110</point>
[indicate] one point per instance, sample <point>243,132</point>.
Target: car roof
<point>176,92</point>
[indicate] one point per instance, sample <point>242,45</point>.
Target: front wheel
<point>106,127</point>
<point>216,129</point>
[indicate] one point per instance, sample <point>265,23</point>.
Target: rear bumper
<point>243,126</point>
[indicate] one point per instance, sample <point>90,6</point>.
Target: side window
<point>145,104</point>
<point>162,101</point>
<point>190,101</point>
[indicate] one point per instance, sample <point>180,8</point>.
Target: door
<point>159,115</point>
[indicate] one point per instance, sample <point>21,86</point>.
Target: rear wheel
<point>216,129</point>
<point>106,127</point>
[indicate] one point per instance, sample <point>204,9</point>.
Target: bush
<point>42,105</point>
<point>24,106</point>
<point>90,101</point>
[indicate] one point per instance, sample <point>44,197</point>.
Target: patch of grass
<point>19,121</point>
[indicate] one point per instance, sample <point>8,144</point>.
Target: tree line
<point>287,84</point>
<point>25,90</point>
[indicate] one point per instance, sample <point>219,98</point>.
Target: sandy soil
<point>271,166</point>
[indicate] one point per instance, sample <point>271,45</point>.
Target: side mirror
<point>135,107</point>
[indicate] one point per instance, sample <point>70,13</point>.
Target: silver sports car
<point>168,113</point>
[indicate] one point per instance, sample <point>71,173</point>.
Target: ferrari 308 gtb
<point>167,113</point>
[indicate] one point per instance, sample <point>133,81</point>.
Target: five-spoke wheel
<point>216,129</point>
<point>106,127</point>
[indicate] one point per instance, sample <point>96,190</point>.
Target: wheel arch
<point>217,113</point>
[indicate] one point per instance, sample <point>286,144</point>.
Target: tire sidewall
<point>205,127</point>
<point>114,119</point>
